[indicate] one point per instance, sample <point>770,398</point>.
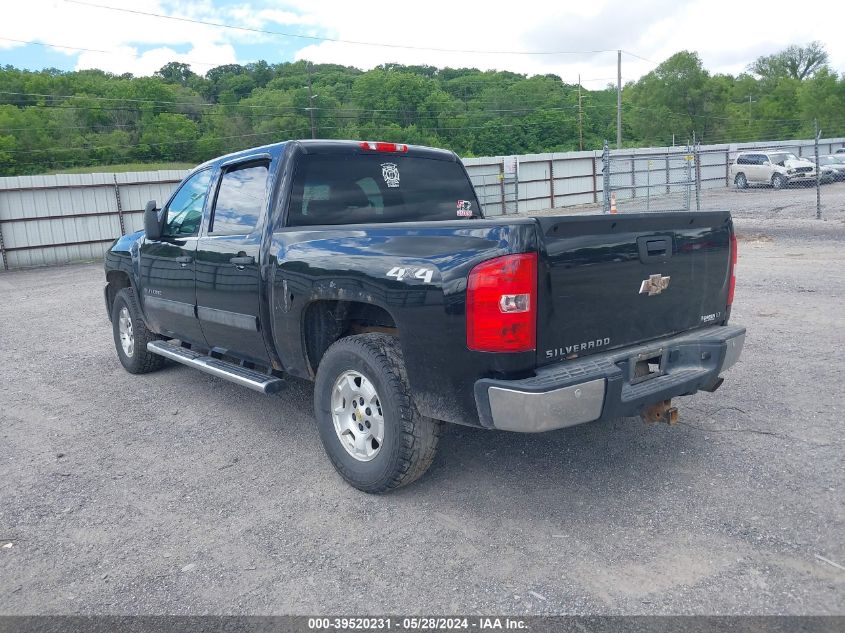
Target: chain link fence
<point>668,179</point>
<point>672,179</point>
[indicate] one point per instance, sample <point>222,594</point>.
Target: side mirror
<point>152,222</point>
<point>767,162</point>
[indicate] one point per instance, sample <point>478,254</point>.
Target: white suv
<point>775,168</point>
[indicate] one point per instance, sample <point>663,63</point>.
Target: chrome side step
<point>222,369</point>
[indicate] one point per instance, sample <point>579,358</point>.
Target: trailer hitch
<point>660,412</point>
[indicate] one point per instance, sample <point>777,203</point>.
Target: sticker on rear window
<point>390,173</point>
<point>465,208</point>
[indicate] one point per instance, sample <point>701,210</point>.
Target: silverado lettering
<point>570,349</point>
<point>344,263</point>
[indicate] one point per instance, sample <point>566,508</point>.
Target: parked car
<point>369,269</point>
<point>833,166</point>
<point>841,150</point>
<point>775,168</point>
<point>827,175</point>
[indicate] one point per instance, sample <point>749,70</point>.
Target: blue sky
<point>727,35</point>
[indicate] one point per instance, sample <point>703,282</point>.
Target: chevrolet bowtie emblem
<point>654,285</point>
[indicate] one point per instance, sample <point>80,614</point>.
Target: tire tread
<point>418,435</point>
<point>142,362</point>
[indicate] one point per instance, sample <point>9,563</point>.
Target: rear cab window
<point>331,189</point>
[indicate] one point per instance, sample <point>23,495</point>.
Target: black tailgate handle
<point>653,247</point>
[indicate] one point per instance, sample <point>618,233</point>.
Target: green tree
<point>168,137</point>
<point>822,98</point>
<point>794,62</point>
<point>678,98</point>
<point>176,73</point>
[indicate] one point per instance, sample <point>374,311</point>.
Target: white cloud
<point>123,35</point>
<point>654,30</point>
<point>128,59</point>
<point>728,35</point>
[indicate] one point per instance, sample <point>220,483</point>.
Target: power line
<point>187,60</point>
<point>92,50</point>
<point>238,136</point>
<point>332,39</point>
<point>61,128</point>
<point>76,48</point>
<point>650,61</point>
<point>352,109</point>
<point>706,116</point>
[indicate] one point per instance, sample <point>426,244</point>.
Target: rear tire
<point>131,335</point>
<point>368,423</point>
<point>778,181</point>
<point>741,181</point>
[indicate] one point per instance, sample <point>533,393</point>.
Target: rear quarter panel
<point>352,263</point>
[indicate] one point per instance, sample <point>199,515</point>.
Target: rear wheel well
<point>116,280</point>
<point>329,321</point>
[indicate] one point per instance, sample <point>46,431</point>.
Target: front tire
<point>778,181</point>
<point>368,423</point>
<point>131,335</point>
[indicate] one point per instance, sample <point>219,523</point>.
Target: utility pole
<point>580,118</point>
<point>816,137</point>
<point>619,99</point>
<point>311,104</point>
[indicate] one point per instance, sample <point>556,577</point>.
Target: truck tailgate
<point>608,281</point>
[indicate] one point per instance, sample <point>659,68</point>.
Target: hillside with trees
<point>52,120</point>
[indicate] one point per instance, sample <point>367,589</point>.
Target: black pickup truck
<point>370,269</point>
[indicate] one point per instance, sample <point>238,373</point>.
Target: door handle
<point>242,260</point>
<point>184,260</point>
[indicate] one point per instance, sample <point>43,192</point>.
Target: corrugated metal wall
<point>74,217</point>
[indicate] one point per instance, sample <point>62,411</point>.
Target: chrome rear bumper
<point>604,386</point>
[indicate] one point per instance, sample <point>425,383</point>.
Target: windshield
<point>379,187</point>
<point>781,157</point>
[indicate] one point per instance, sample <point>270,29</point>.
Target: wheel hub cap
<point>127,336</point>
<point>357,415</point>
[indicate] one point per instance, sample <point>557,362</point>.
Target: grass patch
<point>108,169</point>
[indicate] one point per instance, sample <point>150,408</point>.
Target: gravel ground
<point>176,492</point>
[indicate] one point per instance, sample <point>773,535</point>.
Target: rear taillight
<point>732,280</point>
<point>379,146</point>
<point>502,304</point>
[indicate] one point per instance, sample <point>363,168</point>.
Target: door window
<point>240,200</point>
<point>184,213</point>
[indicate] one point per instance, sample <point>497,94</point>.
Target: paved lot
<point>176,492</point>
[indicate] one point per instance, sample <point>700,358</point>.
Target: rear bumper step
<point>222,369</point>
<point>606,385</point>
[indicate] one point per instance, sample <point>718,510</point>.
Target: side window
<point>184,213</point>
<point>761,159</point>
<point>240,200</point>
<point>742,159</point>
